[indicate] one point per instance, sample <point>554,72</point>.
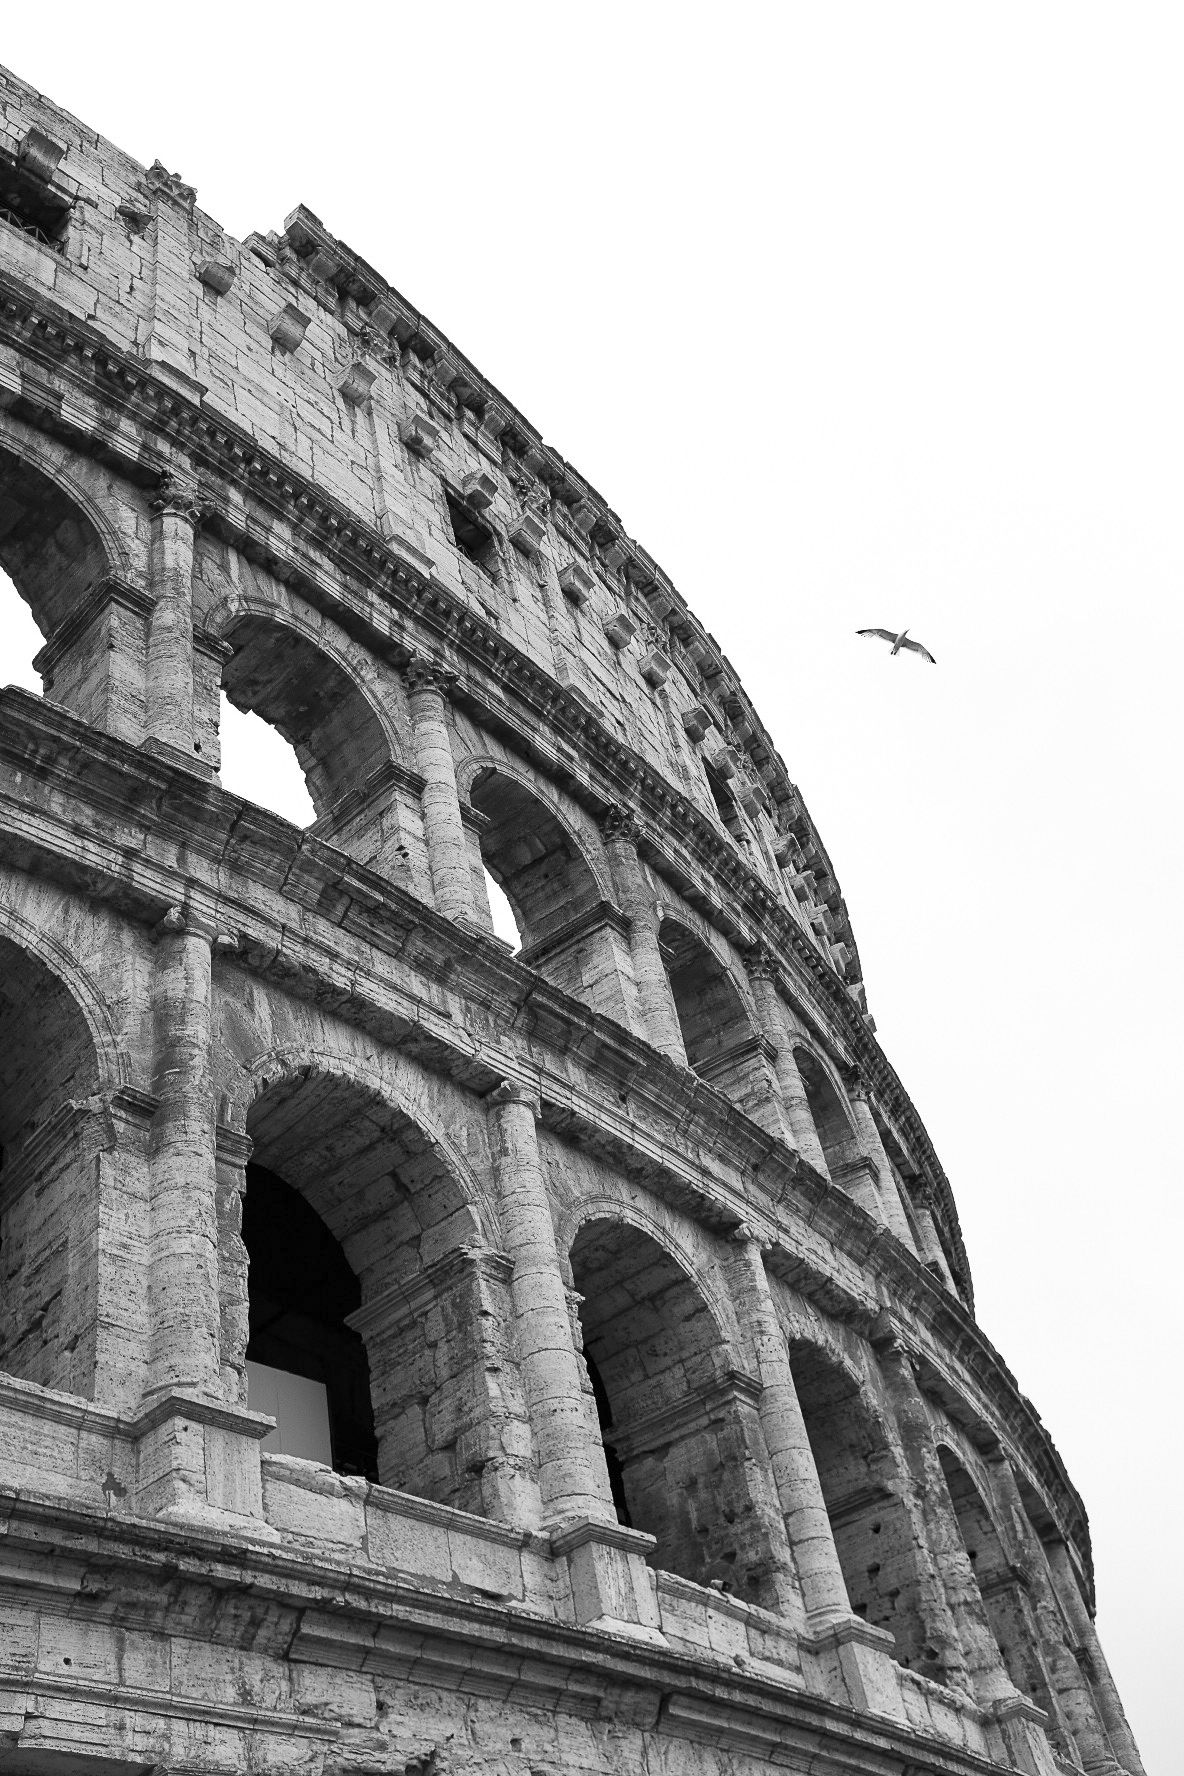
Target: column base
<point>197,1463</point>
<point>1020,1729</point>
<point>859,1657</point>
<point>611,1586</point>
<point>177,756</point>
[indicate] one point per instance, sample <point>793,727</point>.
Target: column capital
<point>759,963</point>
<point>426,675</point>
<point>176,498</point>
<point>747,1235</point>
<point>185,921</point>
<point>516,1091</point>
<point>620,822</point>
<point>162,183</point>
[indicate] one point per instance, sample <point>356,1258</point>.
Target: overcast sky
<point>856,315</point>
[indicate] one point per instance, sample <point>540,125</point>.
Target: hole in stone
<point>505,925</point>
<point>20,639</point>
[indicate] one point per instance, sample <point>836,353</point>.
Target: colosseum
<point>424,1355</point>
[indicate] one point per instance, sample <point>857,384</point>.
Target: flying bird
<point>900,641</point>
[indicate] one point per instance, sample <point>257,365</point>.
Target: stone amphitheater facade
<point>416,1356</point>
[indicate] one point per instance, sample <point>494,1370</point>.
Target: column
<point>183,1304</point>
<point>444,833</point>
<point>573,1478</point>
<point>169,687</point>
<point>807,1522</point>
<point>173,327</point>
<point>1066,1679</point>
<point>1102,1685</point>
<point>762,974</point>
<point>871,1141</point>
<point>659,1017</point>
<point>932,1251</point>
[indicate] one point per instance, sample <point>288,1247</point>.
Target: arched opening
<point>305,1363</point>
<point>711,1013</point>
<point>52,561</point>
<point>536,873</point>
<point>860,1485</point>
<point>681,1437</point>
<point>49,1211</point>
<point>258,764</point>
<point>367,1276</point>
<point>1003,1595</point>
<point>532,857</point>
<point>840,1145</point>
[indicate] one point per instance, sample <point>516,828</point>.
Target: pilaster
<point>657,1015</point>
<point>444,833</point>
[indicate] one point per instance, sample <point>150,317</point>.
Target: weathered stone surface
<point>618,1276</point>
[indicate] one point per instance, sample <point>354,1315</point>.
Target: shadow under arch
<point>56,542</point>
<point>679,1424</point>
<point>1005,1596</point>
<point>712,1014</point>
<point>862,1490</point>
<point>532,853</point>
<point>833,1122</point>
<point>381,1287</point>
<point>51,1070</point>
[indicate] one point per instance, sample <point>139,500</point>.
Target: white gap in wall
<point>505,925</point>
<point>20,639</point>
<point>259,765</point>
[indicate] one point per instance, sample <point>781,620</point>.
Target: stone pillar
<point>870,1140</point>
<point>932,1251</point>
<point>807,1522</point>
<point>762,974</point>
<point>659,1017</point>
<point>573,1478</point>
<point>183,1305</point>
<point>168,723</point>
<point>1092,1658</point>
<point>444,833</point>
<point>172,330</point>
<point>1068,1683</point>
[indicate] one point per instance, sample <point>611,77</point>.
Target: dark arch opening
<point>378,1229</point>
<point>680,1434</point>
<point>860,1486</point>
<point>532,857</point>
<point>49,547</point>
<point>711,1013</point>
<point>840,1146</point>
<point>48,1209</point>
<point>302,1291</point>
<point>277,674</point>
<point>1003,1595</point>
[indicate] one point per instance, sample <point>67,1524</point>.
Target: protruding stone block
<point>696,720</point>
<point>726,762</point>
<point>528,533</point>
<point>287,327</point>
<point>420,434</point>
<point>39,155</point>
<point>655,668</point>
<point>620,628</point>
<point>576,582</point>
<point>356,384</point>
<point>216,275</point>
<point>479,489</point>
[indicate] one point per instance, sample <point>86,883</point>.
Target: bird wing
<point>916,648</point>
<point>884,634</point>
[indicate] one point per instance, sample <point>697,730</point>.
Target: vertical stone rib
<point>870,1140</point>
<point>1102,1686</point>
<point>654,995</point>
<point>761,972</point>
<point>169,688</point>
<point>183,1304</point>
<point>807,1522</point>
<point>573,1478</point>
<point>448,852</point>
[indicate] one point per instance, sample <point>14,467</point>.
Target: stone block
<point>620,628</point>
<point>287,327</point>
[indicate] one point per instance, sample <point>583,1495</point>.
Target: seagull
<point>899,641</point>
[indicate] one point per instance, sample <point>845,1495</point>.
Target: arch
<point>56,539</point>
<point>309,689</point>
<point>431,1311</point>
<point>531,850</point>
<point>1004,1596</point>
<point>113,1067</point>
<point>679,1424</point>
<point>862,1489</point>
<point>50,1073</point>
<point>833,1122</point>
<point>712,1011</point>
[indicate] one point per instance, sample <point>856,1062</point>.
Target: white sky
<point>857,314</point>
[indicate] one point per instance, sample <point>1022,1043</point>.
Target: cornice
<point>778,1189</point>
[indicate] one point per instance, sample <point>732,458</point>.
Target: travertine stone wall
<point>618,1275</point>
